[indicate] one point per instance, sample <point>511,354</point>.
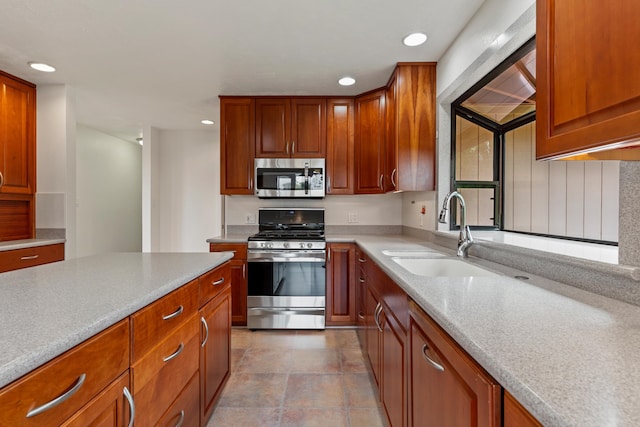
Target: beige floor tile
<point>315,361</point>
<point>360,391</point>
<point>241,338</point>
<point>260,360</point>
<point>245,417</point>
<point>314,391</point>
<point>366,417</point>
<point>236,357</point>
<point>254,390</point>
<point>314,417</point>
<point>353,361</point>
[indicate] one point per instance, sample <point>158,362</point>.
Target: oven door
<point>286,289</point>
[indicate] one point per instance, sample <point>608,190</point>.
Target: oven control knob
<point>301,245</point>
<point>286,245</point>
<point>269,244</point>
<point>309,245</point>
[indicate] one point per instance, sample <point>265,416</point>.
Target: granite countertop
<point>27,243</point>
<point>568,355</point>
<point>48,309</point>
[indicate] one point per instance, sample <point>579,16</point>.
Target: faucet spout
<point>465,240</point>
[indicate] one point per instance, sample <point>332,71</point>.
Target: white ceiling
<point>163,63</point>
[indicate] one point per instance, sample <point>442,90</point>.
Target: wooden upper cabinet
<point>588,91</point>
<point>411,128</point>
<point>290,127</point>
<point>370,142</point>
<point>340,146</point>
<point>237,120</point>
<point>17,135</point>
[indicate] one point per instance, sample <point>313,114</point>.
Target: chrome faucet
<point>465,240</point>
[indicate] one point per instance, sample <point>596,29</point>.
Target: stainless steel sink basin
<point>413,253</point>
<point>442,267</point>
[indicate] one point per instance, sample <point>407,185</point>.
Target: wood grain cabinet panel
<point>446,386</point>
<point>29,257</point>
<point>215,350</point>
<point>239,285</point>
<point>237,145</point>
<point>341,304</point>
<point>515,415</point>
<point>213,282</point>
<point>80,373</point>
<point>370,142</point>
<point>588,92</point>
<point>340,162</point>
<point>185,410</point>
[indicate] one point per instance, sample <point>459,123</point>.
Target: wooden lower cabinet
<point>373,337</point>
<point>446,386</point>
<point>215,350</point>
<point>515,415</point>
<point>185,410</point>
<point>29,257</point>
<point>110,408</point>
<point>239,287</point>
<point>393,390</point>
<point>341,304</point>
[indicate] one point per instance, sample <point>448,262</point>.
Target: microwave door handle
<point>306,178</point>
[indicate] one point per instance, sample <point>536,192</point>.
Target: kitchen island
<point>84,304</point>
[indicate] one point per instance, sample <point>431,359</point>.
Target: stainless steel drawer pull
<point>181,420</point>
<point>132,406</point>
<point>376,316</point>
<point>361,259</point>
<point>218,282</point>
<point>176,313</point>
<point>1,180</point>
<point>174,355</point>
<point>361,315</point>
<point>360,279</point>
<point>58,400</point>
<point>431,362</point>
<point>206,331</point>
<point>26,258</point>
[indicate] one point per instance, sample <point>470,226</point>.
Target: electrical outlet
<point>250,219</point>
<point>353,217</point>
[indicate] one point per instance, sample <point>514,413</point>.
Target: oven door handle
<point>271,258</point>
<point>288,310</point>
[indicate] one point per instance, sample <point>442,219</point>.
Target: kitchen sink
<point>414,253</point>
<point>442,267</point>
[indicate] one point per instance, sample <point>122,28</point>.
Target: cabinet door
<point>588,91</point>
<point>237,145</point>
<point>308,127</point>
<point>361,293</point>
<point>273,127</point>
<point>340,146</point>
<point>340,284</point>
<point>446,386</point>
<point>108,409</point>
<point>17,136</point>
<point>239,292</point>
<point>373,339</point>
<point>215,351</point>
<point>415,127</point>
<point>515,415</point>
<point>393,390</point>
<point>370,138</point>
<point>391,156</point>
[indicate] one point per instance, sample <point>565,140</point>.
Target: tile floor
<point>297,378</point>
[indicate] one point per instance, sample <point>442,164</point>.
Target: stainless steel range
<point>286,265</point>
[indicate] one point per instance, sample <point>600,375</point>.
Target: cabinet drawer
<point>239,249</point>
<point>158,319</point>
<point>160,375</point>
<point>211,283</point>
<point>29,257</point>
<point>75,378</point>
<point>185,409</point>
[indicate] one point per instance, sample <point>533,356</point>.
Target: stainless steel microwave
<point>289,178</point>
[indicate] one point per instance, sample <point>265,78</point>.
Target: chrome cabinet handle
<point>250,183</point>
<point>181,420</point>
<point>176,313</point>
<point>58,400</point>
<point>381,179</point>
<point>328,184</point>
<point>393,181</point>
<point>206,330</point>
<point>360,279</point>
<point>361,259</point>
<point>26,258</point>
<point>376,316</point>
<point>218,282</point>
<point>244,269</point>
<point>1,180</point>
<point>293,145</point>
<point>286,147</point>
<point>329,256</point>
<point>132,406</point>
<point>431,362</point>
<point>175,354</point>
<point>361,315</point>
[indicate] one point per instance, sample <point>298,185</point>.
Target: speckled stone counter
<point>49,309</point>
<point>230,238</point>
<point>28,243</point>
<point>568,355</point>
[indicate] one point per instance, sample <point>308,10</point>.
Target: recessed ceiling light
<point>206,122</point>
<point>346,81</point>
<point>415,39</point>
<point>41,66</point>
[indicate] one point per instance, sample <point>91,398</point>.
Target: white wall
<point>370,209</point>
<point>109,193</point>
<point>412,203</point>
<point>188,208</point>
<point>55,162</point>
